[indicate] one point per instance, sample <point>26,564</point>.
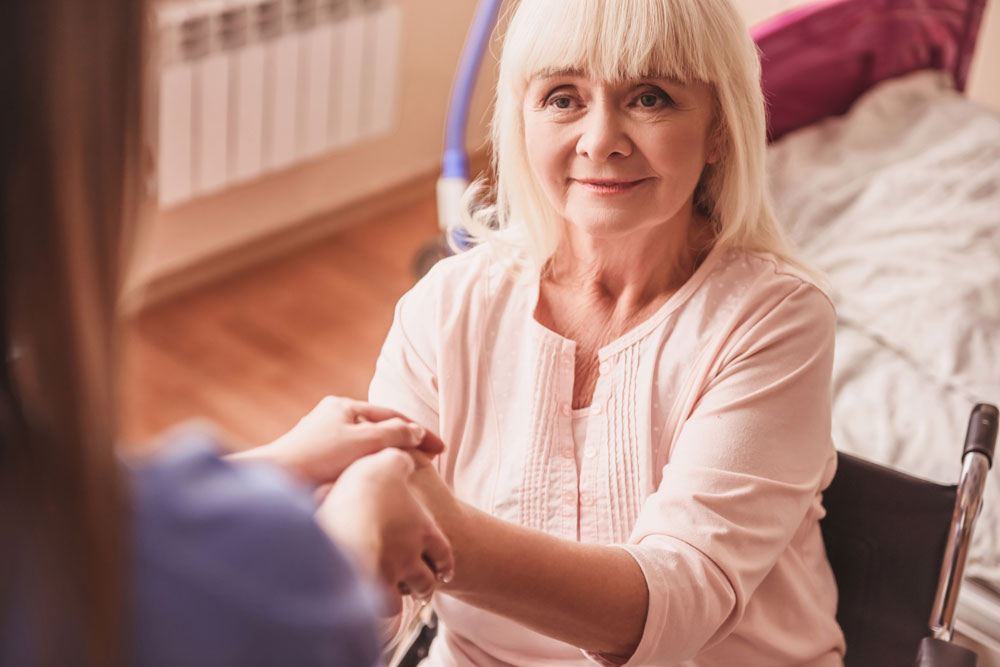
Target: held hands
<point>455,519</point>
<point>371,511</point>
<point>373,515</point>
<point>338,432</point>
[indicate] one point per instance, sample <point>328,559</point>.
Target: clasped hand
<point>357,455</point>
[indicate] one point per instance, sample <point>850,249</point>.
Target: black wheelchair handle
<point>982,434</point>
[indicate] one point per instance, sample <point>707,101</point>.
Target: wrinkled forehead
<point>606,40</point>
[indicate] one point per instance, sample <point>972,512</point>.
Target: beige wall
<point>984,76</point>
<point>434,32</point>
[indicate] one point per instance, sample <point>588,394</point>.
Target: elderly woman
<point>631,371</point>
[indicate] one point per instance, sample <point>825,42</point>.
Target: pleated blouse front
<point>706,449</point>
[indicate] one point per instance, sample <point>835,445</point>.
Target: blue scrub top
<point>230,569</point>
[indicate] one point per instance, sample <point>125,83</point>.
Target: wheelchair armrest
<point>976,461</point>
<point>417,645</point>
<point>940,653</point>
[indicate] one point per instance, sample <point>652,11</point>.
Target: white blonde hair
<point>618,40</point>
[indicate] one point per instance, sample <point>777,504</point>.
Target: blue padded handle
<point>455,161</point>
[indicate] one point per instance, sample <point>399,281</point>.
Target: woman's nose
<point>603,136</point>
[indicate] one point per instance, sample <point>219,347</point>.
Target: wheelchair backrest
<point>885,534</point>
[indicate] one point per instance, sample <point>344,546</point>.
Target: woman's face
<point>614,158</point>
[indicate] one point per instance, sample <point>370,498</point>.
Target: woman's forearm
<point>590,596</point>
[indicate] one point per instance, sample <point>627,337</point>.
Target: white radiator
<point>247,87</point>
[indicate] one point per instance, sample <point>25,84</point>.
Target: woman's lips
<point>608,187</point>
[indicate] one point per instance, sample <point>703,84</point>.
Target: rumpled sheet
<point>898,203</point>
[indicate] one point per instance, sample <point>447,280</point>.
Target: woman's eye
<point>648,100</point>
<point>560,102</point>
<point>653,99</point>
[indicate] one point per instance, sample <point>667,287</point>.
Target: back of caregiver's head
<point>69,145</point>
<point>620,40</point>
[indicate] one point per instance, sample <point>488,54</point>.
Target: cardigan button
<point>566,409</point>
<point>605,368</point>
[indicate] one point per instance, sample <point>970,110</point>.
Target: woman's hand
<point>434,494</point>
<point>372,514</point>
<point>338,432</point>
<point>455,519</point>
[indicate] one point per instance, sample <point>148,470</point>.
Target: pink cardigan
<point>707,449</point>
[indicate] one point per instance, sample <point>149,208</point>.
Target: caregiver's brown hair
<point>69,148</point>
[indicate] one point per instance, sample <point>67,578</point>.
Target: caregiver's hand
<point>336,433</point>
<point>372,514</point>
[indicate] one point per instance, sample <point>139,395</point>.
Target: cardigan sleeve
<point>744,474</point>
<point>406,376</point>
<point>406,380</point>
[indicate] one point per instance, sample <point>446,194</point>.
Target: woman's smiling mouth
<point>607,186</point>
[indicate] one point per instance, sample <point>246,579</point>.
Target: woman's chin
<point>613,225</point>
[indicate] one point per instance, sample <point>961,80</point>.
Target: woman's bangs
<point>609,40</point>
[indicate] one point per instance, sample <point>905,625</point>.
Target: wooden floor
<point>257,351</point>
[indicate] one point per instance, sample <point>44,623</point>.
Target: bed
<point>888,180</point>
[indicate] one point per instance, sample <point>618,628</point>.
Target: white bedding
<point>898,202</point>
